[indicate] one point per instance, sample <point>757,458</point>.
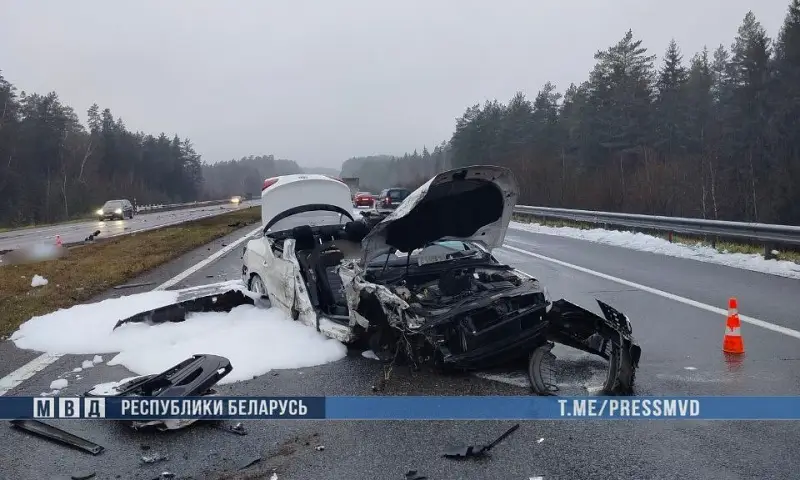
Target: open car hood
<point>473,203</point>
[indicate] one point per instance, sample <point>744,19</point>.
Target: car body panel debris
<point>464,451</point>
<point>57,435</point>
<point>211,298</point>
<point>193,377</point>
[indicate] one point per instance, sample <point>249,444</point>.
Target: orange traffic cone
<point>58,240</point>
<point>732,342</point>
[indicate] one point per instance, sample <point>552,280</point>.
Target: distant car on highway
<point>113,209</point>
<point>363,199</point>
<point>236,199</point>
<point>391,198</point>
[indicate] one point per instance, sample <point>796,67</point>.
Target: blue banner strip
<point>404,408</point>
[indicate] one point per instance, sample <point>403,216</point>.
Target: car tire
<point>256,285</point>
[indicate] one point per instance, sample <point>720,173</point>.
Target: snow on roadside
<point>255,340</point>
<point>649,243</point>
<point>38,281</point>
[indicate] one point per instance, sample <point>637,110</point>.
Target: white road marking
<point>15,378</point>
<point>671,296</point>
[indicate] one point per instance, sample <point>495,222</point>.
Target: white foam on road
<point>86,328</point>
<point>649,243</point>
<point>38,281</point>
<point>255,340</point>
<point>58,384</point>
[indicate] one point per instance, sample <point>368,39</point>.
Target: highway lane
<point>78,231</point>
<point>673,336</point>
<point>760,295</point>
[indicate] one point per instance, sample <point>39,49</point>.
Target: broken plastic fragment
<point>153,457</point>
<point>83,475</point>
<point>369,354</point>
<point>412,475</point>
<point>464,451</point>
<point>57,435</point>
<point>320,448</point>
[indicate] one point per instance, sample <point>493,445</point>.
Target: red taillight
<point>269,182</point>
<point>388,200</point>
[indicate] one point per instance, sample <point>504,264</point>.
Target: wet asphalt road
<point>681,355</point>
<point>77,232</point>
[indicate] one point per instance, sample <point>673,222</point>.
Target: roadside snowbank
<point>649,243</point>
<point>255,340</point>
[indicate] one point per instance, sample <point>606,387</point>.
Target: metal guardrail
<point>176,206</point>
<point>770,235</point>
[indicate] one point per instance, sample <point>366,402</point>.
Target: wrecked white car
<point>422,285</point>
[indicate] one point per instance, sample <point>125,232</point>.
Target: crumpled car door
<point>280,277</point>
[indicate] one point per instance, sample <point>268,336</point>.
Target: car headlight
<point>119,210</point>
<point>100,212</point>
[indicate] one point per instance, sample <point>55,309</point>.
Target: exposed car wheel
<point>256,285</point>
<point>619,377</point>
<point>540,370</point>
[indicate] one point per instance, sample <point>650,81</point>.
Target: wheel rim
<point>257,286</point>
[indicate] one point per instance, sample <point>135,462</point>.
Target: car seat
<point>324,261</point>
<point>303,247</point>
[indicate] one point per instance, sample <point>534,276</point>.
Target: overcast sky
<point>321,81</point>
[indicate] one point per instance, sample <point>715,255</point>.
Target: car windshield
<point>313,218</point>
<point>113,204</point>
<point>434,252</point>
<point>398,194</point>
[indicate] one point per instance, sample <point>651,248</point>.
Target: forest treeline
<point>715,136</point>
<point>54,168</point>
<point>244,176</point>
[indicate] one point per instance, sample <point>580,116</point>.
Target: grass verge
<point>722,246</point>
<point>89,270</point>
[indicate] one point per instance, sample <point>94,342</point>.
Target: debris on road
<point>87,364</point>
<point>319,448</point>
<point>133,285</point>
<point>38,281</point>
<point>97,359</point>
<point>413,475</point>
<point>83,475</point>
<point>369,354</point>
<point>238,428</point>
<point>56,434</point>
<point>249,462</point>
<point>464,451</point>
<point>153,457</point>
<point>166,475</point>
<point>193,377</point>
